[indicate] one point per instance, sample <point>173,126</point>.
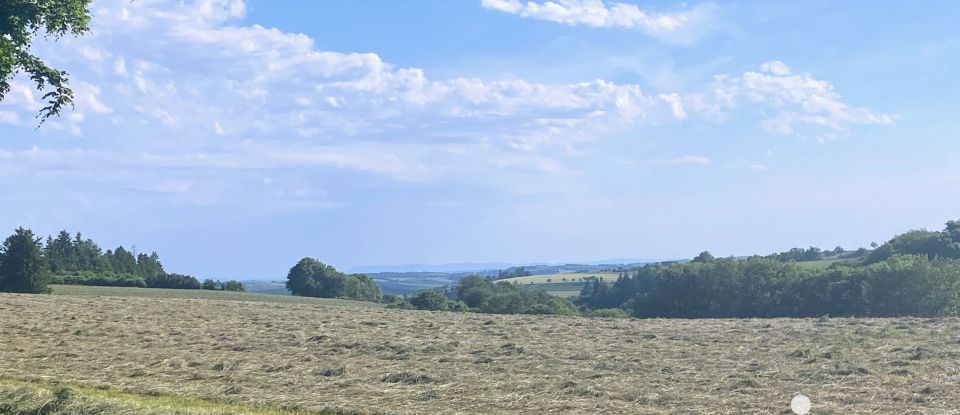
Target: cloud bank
<point>170,93</point>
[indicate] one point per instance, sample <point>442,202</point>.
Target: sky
<point>235,137</point>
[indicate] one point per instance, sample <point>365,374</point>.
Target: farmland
<point>562,278</point>
<point>120,352</point>
<point>561,284</point>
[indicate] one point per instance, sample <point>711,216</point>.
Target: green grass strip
<point>25,397</point>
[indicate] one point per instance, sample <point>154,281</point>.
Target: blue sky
<point>235,137</point>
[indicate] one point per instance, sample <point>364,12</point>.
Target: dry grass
<point>323,355</point>
<point>93,291</point>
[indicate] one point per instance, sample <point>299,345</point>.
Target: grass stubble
<point>138,355</point>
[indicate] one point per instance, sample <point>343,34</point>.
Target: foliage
<point>606,313</point>
<point>799,255</point>
<point>704,256</point>
<point>429,300</point>
<point>506,298</point>
<point>209,284</point>
<point>513,273</point>
<point>914,274</point>
<point>175,281</point>
<point>22,269</point>
<point>20,21</point>
<point>312,278</point>
<point>104,279</point>
<point>903,285</point>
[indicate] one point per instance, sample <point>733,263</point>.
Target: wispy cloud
<point>680,26</point>
<point>690,159</point>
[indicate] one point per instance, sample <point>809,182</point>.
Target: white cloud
<point>681,26</point>
<point>790,102</point>
<point>9,117</point>
<point>690,159</point>
<point>88,98</point>
<point>676,104</point>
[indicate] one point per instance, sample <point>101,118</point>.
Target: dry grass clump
<point>408,378</point>
<point>320,355</point>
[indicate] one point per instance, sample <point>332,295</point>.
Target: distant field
<point>135,355</point>
<point>559,278</point>
<point>821,264</point>
<point>80,290</point>
<point>562,289</point>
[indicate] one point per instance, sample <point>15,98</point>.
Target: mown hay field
<point>136,355</point>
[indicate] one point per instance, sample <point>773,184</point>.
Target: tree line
<point>29,265</point>
<point>915,274</point>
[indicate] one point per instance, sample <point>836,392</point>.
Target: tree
<point>123,261</point>
<point>59,251</point>
<point>20,20</point>
<point>313,278</point>
<point>429,300</point>
<point>149,265</point>
<point>22,267</point>
<point>704,256</point>
<point>233,285</point>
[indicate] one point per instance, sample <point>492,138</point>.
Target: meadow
<point>564,285</point>
<point>562,278</point>
<point>108,350</point>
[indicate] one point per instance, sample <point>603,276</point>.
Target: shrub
<point>457,306</point>
<point>175,281</point>
<point>607,313</point>
<point>103,279</point>
<point>429,300</point>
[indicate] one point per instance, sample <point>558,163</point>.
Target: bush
<point>403,305</point>
<point>429,300</point>
<point>457,306</point>
<point>233,286</point>
<point>174,281</point>
<point>104,279</point>
<point>607,313</point>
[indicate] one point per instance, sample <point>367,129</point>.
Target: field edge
<point>34,397</point>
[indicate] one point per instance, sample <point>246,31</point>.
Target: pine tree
<point>22,266</point>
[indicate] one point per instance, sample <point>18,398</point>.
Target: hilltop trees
<point>914,274</point>
<point>312,278</point>
<point>22,268</point>
<point>704,256</point>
